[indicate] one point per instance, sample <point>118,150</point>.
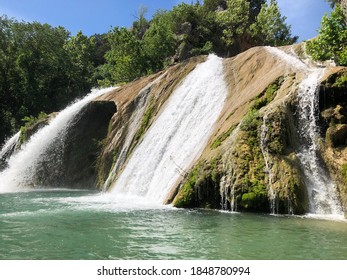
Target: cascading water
<point>177,136</point>
<point>134,123</point>
<point>21,165</point>
<point>227,181</point>
<point>322,192</point>
<point>8,149</point>
<point>268,164</point>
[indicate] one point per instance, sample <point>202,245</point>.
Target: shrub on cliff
<point>332,38</point>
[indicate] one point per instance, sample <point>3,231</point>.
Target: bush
<point>331,40</point>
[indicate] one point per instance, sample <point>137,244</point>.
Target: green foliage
<point>344,172</point>
<point>251,121</point>
<point>145,122</point>
<point>80,49</point>
<point>234,20</point>
<point>341,81</point>
<point>333,3</point>
<point>220,139</point>
<point>331,40</point>
<point>185,197</point>
<point>41,69</point>
<point>270,27</point>
<point>200,187</point>
<point>125,59</point>
<point>255,199</point>
<point>159,42</point>
<point>266,97</point>
<point>29,122</point>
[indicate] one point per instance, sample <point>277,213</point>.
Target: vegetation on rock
<point>31,125</point>
<point>200,187</point>
<point>333,115</point>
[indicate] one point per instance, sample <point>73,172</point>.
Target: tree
<point>331,42</point>
<point>333,3</point>
<point>159,42</point>
<point>254,8</point>
<point>125,60</point>
<point>80,51</point>
<point>270,27</point>
<point>234,20</point>
<point>41,69</point>
<point>140,26</point>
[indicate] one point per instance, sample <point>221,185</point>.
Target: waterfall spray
<point>22,165</point>
<point>322,192</point>
<point>177,136</point>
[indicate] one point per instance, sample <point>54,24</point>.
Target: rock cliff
<point>251,161</point>
<point>278,146</point>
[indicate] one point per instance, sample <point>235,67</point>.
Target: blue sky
<point>99,16</point>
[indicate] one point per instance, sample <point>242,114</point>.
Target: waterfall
<point>227,186</point>
<point>322,192</point>
<point>227,181</point>
<point>132,127</point>
<point>21,165</point>
<point>7,150</point>
<point>268,164</point>
<point>291,60</point>
<point>177,136</point>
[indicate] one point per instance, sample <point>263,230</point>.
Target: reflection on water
<point>85,225</point>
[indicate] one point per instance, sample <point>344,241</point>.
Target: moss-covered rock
<point>200,187</point>
<point>333,148</point>
<point>32,125</point>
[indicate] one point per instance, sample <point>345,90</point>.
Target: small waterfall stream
<point>21,165</point>
<point>268,165</point>
<point>131,129</point>
<point>227,181</point>
<point>7,150</point>
<point>177,136</point>
<point>322,192</point>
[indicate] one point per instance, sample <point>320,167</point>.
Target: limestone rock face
<point>138,103</point>
<point>253,151</point>
<point>251,160</point>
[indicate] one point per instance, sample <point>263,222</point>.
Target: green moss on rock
<point>200,188</point>
<point>268,95</point>
<point>223,136</point>
<point>31,125</point>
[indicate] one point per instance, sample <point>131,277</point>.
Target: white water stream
<point>268,165</point>
<point>9,147</point>
<point>177,136</point>
<point>322,192</point>
<point>131,129</point>
<point>21,165</point>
